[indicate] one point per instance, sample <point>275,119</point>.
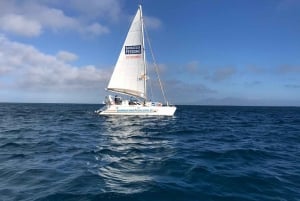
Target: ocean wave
<point>67,152</point>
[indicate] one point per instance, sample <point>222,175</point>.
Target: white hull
<point>137,110</point>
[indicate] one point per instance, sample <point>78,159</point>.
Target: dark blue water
<point>67,152</point>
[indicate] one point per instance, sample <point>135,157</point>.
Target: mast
<point>144,53</point>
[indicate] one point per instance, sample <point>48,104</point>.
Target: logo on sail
<point>133,49</point>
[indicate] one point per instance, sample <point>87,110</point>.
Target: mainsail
<point>129,76</point>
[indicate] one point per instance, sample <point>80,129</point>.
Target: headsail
<point>129,76</point>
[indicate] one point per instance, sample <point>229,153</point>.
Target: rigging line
<point>156,67</point>
<point>151,90</point>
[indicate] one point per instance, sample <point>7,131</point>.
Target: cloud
<point>223,73</point>
<point>62,78</point>
<point>216,74</point>
<point>95,29</point>
<point>66,56</point>
<point>181,92</point>
<point>152,22</point>
<point>10,59</point>
<point>253,83</point>
<point>94,9</point>
<point>293,86</point>
<point>192,67</point>
<point>279,70</point>
<point>26,68</point>
<point>30,18</point>
<point>52,18</point>
<point>288,69</point>
<point>20,25</point>
<point>255,69</point>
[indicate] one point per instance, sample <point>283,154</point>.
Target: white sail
<point>129,76</point>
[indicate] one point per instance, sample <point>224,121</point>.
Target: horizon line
<point>182,104</point>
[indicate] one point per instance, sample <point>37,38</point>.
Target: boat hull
<point>138,110</point>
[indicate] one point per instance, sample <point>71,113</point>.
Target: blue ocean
<point>210,153</point>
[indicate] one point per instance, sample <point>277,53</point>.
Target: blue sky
<point>216,52</point>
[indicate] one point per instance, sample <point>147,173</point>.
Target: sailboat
<point>130,78</point>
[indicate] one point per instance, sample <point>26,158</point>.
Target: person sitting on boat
<point>133,101</point>
<point>109,100</point>
<point>118,100</point>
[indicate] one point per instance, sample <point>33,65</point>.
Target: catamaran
<point>130,78</point>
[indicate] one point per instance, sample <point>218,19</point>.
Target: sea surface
<point>67,152</point>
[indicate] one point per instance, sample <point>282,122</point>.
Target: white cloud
<point>95,8</point>
<point>66,56</point>
<point>95,29</point>
<point>52,18</point>
<point>30,18</point>
<point>29,69</point>
<point>20,25</point>
<point>152,22</point>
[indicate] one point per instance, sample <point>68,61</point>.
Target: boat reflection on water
<point>133,149</point>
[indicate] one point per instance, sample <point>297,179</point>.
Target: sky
<point>210,52</point>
